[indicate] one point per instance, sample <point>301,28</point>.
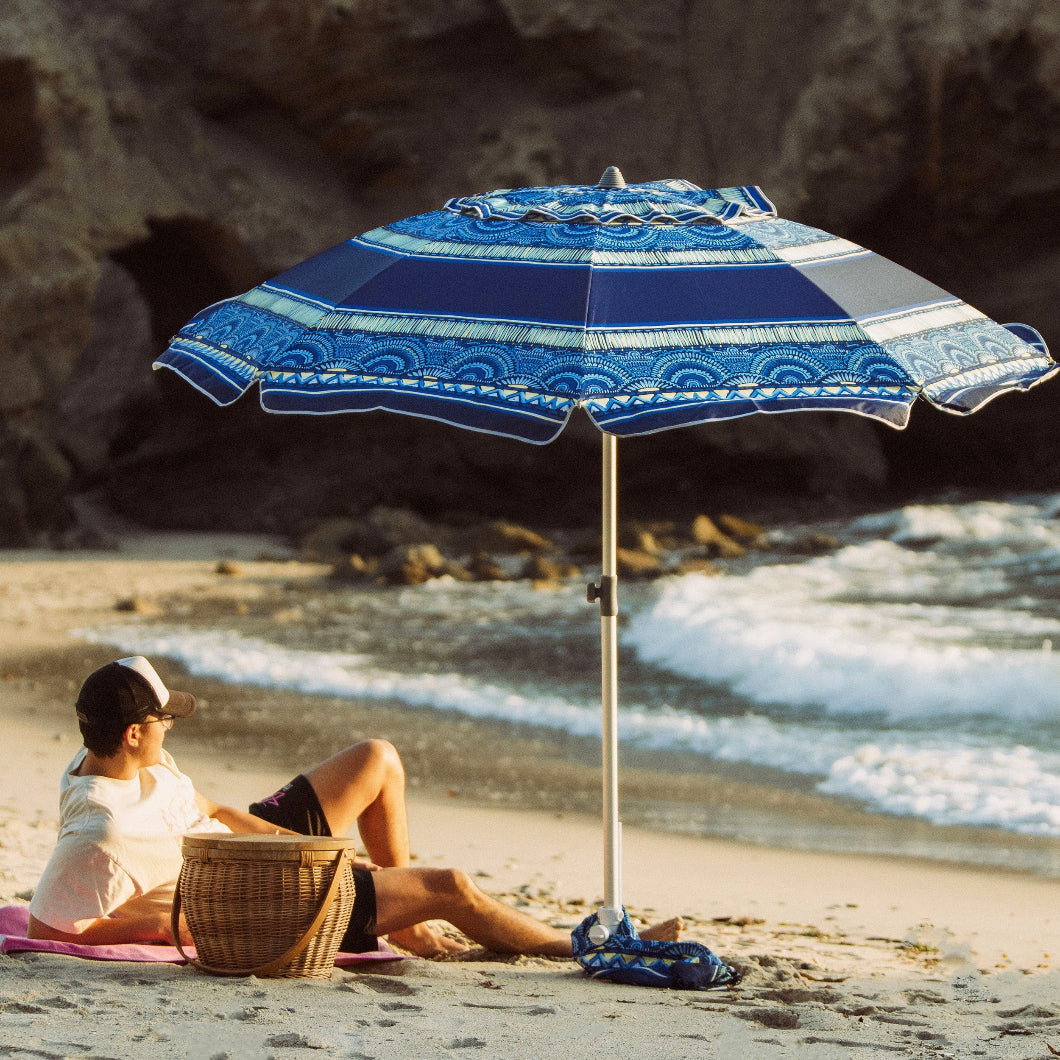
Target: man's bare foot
<point>666,931</point>
<point>424,942</point>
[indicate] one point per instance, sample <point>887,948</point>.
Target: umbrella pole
<point>610,915</point>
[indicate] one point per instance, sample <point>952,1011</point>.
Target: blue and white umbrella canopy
<point>651,306</point>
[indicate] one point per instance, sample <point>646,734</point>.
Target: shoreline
<point>838,949</point>
<point>837,777</point>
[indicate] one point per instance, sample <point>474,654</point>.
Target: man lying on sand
<point>124,806</point>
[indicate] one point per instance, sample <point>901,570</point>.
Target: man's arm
<point>240,821</point>
<point>237,820</point>
<point>109,931</point>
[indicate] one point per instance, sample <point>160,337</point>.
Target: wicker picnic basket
<point>266,905</point>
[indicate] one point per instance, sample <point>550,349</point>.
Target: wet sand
<point>843,952</point>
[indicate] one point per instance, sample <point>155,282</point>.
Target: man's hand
<point>166,927</point>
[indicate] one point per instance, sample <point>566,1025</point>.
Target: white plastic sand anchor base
<point>607,920</point>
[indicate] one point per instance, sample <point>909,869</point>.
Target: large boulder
<point>413,565</point>
<point>373,534</point>
<point>501,536</point>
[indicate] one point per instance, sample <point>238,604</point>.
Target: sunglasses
<point>165,720</point>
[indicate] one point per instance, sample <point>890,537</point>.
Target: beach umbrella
<point>650,306</point>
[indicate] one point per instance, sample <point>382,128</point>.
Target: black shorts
<point>296,806</point>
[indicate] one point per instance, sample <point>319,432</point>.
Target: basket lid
<point>255,842</point>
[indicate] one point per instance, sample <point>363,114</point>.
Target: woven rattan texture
<point>246,911</point>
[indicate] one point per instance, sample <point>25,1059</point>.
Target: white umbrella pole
<point>607,593</point>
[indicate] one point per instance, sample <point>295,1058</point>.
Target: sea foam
<point>1015,787</point>
<point>804,636</point>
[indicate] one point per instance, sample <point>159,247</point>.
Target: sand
<point>843,955</point>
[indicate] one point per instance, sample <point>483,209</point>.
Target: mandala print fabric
<point>627,958</point>
<point>650,306</point>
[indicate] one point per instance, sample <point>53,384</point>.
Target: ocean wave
<point>911,669</point>
<point>1016,788</point>
<point>805,636</point>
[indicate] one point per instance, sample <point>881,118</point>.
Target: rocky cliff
<point>155,157</point>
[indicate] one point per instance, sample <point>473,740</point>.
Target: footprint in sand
<point>778,1018</point>
<point>1029,1019</point>
<point>384,984</point>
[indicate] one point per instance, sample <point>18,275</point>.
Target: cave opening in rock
<point>186,263</point>
<point>21,140</point>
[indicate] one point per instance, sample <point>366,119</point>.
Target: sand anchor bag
<point>265,905</point>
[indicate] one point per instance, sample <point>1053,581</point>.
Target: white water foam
<point>1027,523</point>
<point>931,612</point>
<point>796,635</point>
<point>1015,788</point>
<point>953,783</point>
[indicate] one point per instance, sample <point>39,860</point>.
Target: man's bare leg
<point>365,784</point>
<point>449,894</point>
<point>410,896</point>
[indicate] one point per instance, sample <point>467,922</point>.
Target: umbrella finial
<point>612,178</point>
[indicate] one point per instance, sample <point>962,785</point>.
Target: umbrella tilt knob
<point>598,934</point>
<point>606,592</point>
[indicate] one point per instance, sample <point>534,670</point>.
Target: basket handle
<point>277,963</point>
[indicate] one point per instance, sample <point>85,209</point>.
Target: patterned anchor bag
<point>627,958</point>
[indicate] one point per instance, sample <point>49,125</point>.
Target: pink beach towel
<point>14,923</point>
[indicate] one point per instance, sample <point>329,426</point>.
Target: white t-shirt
<point>118,851</point>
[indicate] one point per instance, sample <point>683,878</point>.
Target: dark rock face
<point>156,157</point>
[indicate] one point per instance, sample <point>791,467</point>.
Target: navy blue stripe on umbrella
<point>649,306</point>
